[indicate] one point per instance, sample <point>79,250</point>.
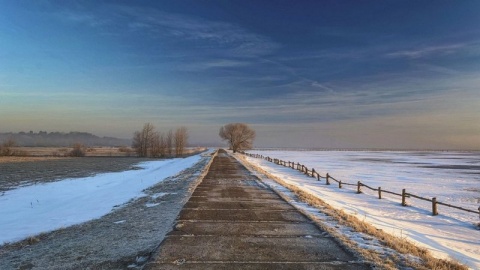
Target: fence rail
<point>328,178</point>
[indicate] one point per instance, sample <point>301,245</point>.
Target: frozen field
<point>452,177</point>
<point>33,209</point>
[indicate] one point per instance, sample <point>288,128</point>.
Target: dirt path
<point>232,221</point>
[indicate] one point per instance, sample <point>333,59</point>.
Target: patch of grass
<point>401,245</point>
<point>32,240</point>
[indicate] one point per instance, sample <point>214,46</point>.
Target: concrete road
<point>234,222</point>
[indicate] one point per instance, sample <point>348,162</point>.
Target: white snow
<point>452,177</point>
<point>27,211</point>
<point>159,195</point>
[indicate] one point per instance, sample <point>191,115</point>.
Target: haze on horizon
<point>326,74</point>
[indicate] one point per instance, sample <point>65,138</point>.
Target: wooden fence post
<point>318,177</point>
<point>359,185</point>
<point>313,172</point>
<point>327,180</point>
<point>379,192</point>
<point>340,184</point>
<point>404,195</point>
<point>434,206</point>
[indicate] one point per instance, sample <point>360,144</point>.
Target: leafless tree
<point>169,143</point>
<point>163,145</point>
<point>150,143</point>
<point>238,135</point>
<point>142,140</point>
<point>180,138</point>
<point>155,145</point>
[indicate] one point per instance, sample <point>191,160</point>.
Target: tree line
<point>148,142</point>
<point>151,143</point>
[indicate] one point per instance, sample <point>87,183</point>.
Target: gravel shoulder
<point>125,238</point>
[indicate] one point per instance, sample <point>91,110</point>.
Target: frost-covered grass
<point>451,177</point>
<point>31,210</point>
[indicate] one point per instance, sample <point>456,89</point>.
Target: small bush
<point>77,151</point>
<point>124,149</point>
<point>6,148</point>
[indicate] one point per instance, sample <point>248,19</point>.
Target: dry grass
<point>62,151</point>
<point>11,159</point>
<point>401,245</point>
<point>42,153</point>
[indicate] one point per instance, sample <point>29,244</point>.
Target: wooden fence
<point>359,185</point>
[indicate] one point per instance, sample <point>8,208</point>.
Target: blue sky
<point>332,74</point>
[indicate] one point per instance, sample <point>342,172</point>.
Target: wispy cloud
<point>213,64</point>
<point>155,25</point>
<point>217,34</point>
<point>426,51</point>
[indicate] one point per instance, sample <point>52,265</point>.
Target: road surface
<point>232,221</point>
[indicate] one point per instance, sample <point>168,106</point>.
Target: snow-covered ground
<point>34,209</point>
<point>452,177</point>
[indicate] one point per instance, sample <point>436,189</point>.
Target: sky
<point>324,74</point>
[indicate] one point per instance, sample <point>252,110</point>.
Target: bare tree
<point>142,140</point>
<point>238,135</point>
<point>149,143</point>
<point>137,143</point>
<point>169,143</point>
<point>155,145</point>
<point>163,145</point>
<point>180,138</point>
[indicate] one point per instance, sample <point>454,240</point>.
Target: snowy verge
<point>437,234</point>
<point>35,209</point>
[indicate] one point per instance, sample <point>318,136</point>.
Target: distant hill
<point>59,139</point>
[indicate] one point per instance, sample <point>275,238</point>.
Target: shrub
<point>6,148</point>
<point>124,149</point>
<point>77,151</point>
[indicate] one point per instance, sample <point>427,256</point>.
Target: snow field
<point>451,177</point>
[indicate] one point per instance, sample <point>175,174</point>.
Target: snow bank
<point>31,210</point>
<point>451,177</point>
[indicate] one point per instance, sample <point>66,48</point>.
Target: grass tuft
<point>32,240</point>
